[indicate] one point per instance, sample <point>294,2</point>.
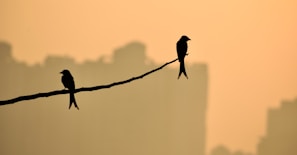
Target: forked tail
<point>72,100</point>
<point>182,69</point>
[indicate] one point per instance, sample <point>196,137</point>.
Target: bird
<point>181,48</point>
<point>68,83</point>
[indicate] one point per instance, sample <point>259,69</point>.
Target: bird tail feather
<point>182,69</point>
<point>72,100</point>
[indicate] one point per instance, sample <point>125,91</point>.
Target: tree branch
<point>58,92</point>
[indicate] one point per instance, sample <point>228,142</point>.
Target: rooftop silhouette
<point>281,134</point>
<point>222,150</point>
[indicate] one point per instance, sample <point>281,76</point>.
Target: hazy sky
<point>250,47</point>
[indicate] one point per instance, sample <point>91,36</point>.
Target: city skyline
<point>120,59</point>
<point>249,48</point>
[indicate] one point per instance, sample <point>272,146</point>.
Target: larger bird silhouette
<point>181,48</point>
<point>68,83</point>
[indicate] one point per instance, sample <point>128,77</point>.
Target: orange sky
<point>250,47</point>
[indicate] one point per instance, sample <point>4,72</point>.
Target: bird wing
<point>64,81</point>
<point>68,82</point>
<point>181,48</point>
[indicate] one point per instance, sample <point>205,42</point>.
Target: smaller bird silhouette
<point>181,48</point>
<point>68,83</point>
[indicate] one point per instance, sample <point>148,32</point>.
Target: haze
<point>249,47</point>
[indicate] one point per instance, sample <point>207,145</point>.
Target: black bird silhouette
<point>68,82</point>
<point>181,48</point>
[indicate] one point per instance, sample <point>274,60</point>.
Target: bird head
<point>185,38</point>
<point>65,71</point>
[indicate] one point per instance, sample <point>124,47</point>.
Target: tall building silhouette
<point>281,134</point>
<point>157,115</point>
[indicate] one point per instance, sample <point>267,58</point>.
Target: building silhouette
<point>222,150</point>
<point>281,134</point>
<point>157,115</point>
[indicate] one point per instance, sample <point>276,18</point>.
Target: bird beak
<point>61,72</point>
